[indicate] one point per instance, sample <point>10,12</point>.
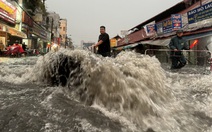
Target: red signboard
<point>26,19</point>
<point>7,17</point>
<point>7,11</point>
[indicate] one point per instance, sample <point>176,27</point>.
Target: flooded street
<point>77,91</point>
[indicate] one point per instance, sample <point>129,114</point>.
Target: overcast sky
<point>86,16</point>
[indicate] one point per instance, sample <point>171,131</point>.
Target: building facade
<point>63,30</point>
<point>53,21</point>
<point>10,23</point>
<point>87,45</point>
<point>194,17</point>
<point>28,22</point>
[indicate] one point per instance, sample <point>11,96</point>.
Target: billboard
<point>7,11</point>
<point>151,29</point>
<point>176,22</point>
<point>26,19</point>
<point>159,28</point>
<point>167,26</point>
<point>113,43</point>
<point>199,14</point>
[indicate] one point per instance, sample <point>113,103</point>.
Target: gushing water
<point>131,89</point>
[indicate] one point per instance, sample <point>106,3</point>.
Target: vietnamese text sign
<point>201,13</point>
<point>7,11</point>
<point>159,28</point>
<point>7,6</point>
<point>7,17</point>
<point>113,42</point>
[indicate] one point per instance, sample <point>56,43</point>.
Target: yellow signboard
<point>7,7</point>
<point>113,42</point>
<point>17,33</point>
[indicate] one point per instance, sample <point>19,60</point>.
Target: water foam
<point>132,89</point>
<point>16,70</point>
<point>131,84</point>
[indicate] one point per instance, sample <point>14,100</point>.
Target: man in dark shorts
<point>103,43</point>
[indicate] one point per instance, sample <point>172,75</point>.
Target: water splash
<point>131,84</point>
<point>131,89</point>
<point>16,70</point>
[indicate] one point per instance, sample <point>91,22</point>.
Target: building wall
<point>63,30</point>
<point>56,23</point>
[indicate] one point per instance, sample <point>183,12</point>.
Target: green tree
<point>32,5</point>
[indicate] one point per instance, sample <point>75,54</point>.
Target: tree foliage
<point>32,5</point>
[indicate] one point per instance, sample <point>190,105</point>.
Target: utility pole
<point>20,2</point>
<point>52,34</point>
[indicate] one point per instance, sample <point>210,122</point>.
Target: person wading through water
<point>177,44</point>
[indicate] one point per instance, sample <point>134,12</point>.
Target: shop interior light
<point>194,43</point>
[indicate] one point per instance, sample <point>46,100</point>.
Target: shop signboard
<point>26,19</point>
<point>7,11</point>
<point>113,43</point>
<point>176,22</point>
<point>159,28</point>
<point>199,14</point>
<point>1,27</point>
<point>17,33</point>
<point>151,29</point>
<point>167,26</point>
<point>39,31</point>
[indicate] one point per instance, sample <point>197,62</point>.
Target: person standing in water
<point>103,43</point>
<point>177,44</point>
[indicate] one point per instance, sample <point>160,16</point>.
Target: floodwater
<point>77,91</point>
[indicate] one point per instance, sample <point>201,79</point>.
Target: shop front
<point>40,37</point>
<point>3,37</point>
<point>9,35</point>
<point>15,35</point>
<point>7,18</point>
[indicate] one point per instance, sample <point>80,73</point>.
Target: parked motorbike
<point>14,51</point>
<point>32,52</point>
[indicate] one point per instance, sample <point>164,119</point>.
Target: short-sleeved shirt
<point>105,46</point>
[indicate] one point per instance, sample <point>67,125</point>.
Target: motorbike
<point>32,52</point>
<point>14,51</point>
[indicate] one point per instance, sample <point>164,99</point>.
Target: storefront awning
<point>15,32</point>
<point>126,47</point>
<point>160,42</point>
<point>196,36</point>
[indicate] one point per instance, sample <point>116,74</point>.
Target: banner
<point>26,19</point>
<point>151,29</point>
<point>199,14</point>
<point>7,11</point>
<point>159,28</point>
<point>176,22</point>
<point>7,17</point>
<point>167,26</point>
<point>6,6</point>
<point>113,43</point>
<point>17,33</point>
